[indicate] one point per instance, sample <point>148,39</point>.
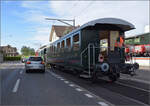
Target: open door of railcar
<point>107,46</point>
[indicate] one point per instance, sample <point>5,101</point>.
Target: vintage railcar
<point>91,49</point>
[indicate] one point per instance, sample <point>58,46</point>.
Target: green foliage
<point>27,51</point>
<point>12,58</point>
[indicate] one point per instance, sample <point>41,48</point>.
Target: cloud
<point>42,35</point>
<point>136,12</point>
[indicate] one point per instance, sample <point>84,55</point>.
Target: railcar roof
<point>124,25</point>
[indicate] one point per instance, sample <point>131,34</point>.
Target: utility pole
<point>63,21</point>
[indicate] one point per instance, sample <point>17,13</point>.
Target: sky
<point>23,22</point>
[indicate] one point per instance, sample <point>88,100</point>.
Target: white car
<point>35,63</point>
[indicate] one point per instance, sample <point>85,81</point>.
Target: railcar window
<point>62,45</point>
<point>58,46</point>
<point>54,49</point>
<point>51,49</point>
<point>104,45</point>
<point>128,41</point>
<point>68,41</point>
<point>137,40</point>
<point>76,42</point>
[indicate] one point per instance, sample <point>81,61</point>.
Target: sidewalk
<point>142,75</point>
<point>144,68</point>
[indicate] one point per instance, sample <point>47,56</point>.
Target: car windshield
<point>35,59</point>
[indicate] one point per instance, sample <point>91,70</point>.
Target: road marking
<point>89,92</point>
<point>88,95</point>
<point>16,86</point>
<point>59,77</point>
<point>71,85</point>
<point>62,79</point>
<point>66,82</point>
<point>102,104</point>
<point>133,87</point>
<point>21,72</point>
<point>78,89</point>
<point>55,75</point>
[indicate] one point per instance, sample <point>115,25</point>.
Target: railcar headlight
<point>105,67</point>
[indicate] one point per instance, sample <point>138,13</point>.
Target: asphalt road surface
<point>56,87</point>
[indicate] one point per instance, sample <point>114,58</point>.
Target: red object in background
<point>42,62</point>
<point>128,58</point>
<point>127,50</point>
<point>138,49</point>
<point>36,53</point>
<point>28,62</point>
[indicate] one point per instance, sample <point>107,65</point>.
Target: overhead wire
<point>83,10</point>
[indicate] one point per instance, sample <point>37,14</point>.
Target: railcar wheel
<point>113,78</point>
<point>94,77</point>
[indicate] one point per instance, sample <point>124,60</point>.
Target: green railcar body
<point>84,47</point>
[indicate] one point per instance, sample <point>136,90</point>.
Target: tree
<point>27,51</point>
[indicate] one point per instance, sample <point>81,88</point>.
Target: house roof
<point>141,34</point>
<point>8,46</point>
<point>60,30</point>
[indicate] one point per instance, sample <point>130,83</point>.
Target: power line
<point>85,9</point>
<point>63,21</point>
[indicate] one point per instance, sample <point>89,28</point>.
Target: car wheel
<point>27,71</point>
<point>43,71</point>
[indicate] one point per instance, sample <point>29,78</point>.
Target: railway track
<point>122,92</point>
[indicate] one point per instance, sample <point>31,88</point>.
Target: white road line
<point>55,75</point>
<point>62,79</point>
<point>102,104</point>
<point>71,85</point>
<point>133,87</point>
<point>78,89</point>
<point>88,95</point>
<point>66,82</point>
<point>59,77</point>
<point>16,86</point>
<point>21,72</point>
<point>87,91</point>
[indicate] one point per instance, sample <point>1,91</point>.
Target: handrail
<point>89,51</point>
<point>89,63</point>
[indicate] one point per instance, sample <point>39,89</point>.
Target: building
<point>147,29</point>
<point>9,50</point>
<point>142,39</point>
<point>1,56</point>
<point>59,31</point>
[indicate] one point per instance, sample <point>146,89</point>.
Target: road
<point>56,87</point>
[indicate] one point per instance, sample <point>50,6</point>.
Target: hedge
<point>12,58</point>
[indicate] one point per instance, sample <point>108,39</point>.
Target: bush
<point>10,58</point>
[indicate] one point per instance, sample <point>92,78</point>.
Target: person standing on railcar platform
<point>119,46</point>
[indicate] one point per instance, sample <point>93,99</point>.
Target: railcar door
<point>107,46</point>
<point>104,44</point>
<point>115,56</point>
